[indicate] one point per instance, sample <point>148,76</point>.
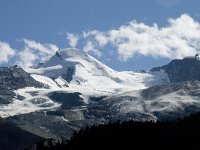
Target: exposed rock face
<point>12,78</point>
<point>186,69</point>
<point>68,100</point>
<point>6,96</point>
<point>69,74</point>
<point>16,78</point>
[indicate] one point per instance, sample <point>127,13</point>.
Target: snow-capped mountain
<point>18,93</point>
<point>72,89</point>
<point>160,102</point>
<point>178,98</point>
<point>74,71</point>
<point>71,71</point>
<point>85,74</point>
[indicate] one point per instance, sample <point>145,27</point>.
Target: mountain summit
<point>74,64</point>
<point>80,70</point>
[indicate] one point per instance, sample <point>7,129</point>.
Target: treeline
<point>179,134</point>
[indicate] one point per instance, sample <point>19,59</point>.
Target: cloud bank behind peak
<point>178,39</point>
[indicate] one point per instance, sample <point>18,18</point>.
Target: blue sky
<point>48,21</point>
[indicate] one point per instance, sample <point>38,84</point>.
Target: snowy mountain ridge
<point>79,69</point>
<point>72,90</point>
<point>79,82</point>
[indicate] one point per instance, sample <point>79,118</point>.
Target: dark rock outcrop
<point>180,70</point>
<point>16,78</point>
<point>13,78</point>
<point>68,100</point>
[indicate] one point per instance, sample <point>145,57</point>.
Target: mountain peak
<point>197,56</point>
<point>72,65</point>
<point>70,52</point>
<point>58,54</point>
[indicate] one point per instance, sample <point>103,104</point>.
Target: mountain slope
<point>73,62</point>
<point>181,70</point>
<point>73,74</point>
<point>87,75</point>
<point>15,138</point>
<point>72,71</point>
<point>11,79</point>
<point>72,89</point>
<point>19,93</point>
<point>159,102</point>
<point>16,78</point>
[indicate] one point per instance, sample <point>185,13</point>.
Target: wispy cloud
<point>73,39</point>
<point>6,52</point>
<point>99,37</point>
<point>46,48</point>
<point>26,58</point>
<point>90,47</point>
<point>35,52</point>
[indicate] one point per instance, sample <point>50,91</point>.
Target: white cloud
<point>180,38</point>
<point>47,49</point>
<point>26,58</point>
<point>90,47</point>
<point>73,39</point>
<point>35,52</point>
<point>6,52</point>
<point>99,37</point>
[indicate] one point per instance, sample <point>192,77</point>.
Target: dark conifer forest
<point>179,134</point>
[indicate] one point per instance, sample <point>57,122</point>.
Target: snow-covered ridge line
<point>80,70</point>
<point>72,70</point>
